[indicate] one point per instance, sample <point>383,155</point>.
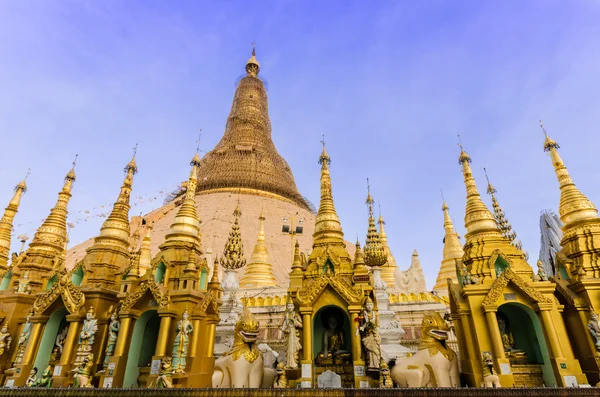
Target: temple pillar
<point>115,370</point>
<point>306,365</point>
<point>492,322</point>
<point>194,340</point>
<point>555,348</point>
<point>163,334</point>
<point>62,376</point>
<point>18,375</point>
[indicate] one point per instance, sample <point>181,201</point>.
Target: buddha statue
<point>508,341</point>
<point>333,344</point>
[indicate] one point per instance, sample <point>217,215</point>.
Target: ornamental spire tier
<point>574,206</point>
<point>6,223</point>
<point>259,272</point>
<point>47,250</point>
<point>328,229</point>
<point>186,224</point>
<point>453,250</point>
<point>246,158</point>
<point>501,220</point>
<point>375,255</point>
<point>478,217</point>
<point>110,253</point>
<point>580,248</point>
<point>484,239</point>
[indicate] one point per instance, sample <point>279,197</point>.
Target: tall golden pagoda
<point>259,272</point>
<point>110,253</point>
<point>246,159</point>
<point>498,308</point>
<point>329,294</point>
<point>501,219</point>
<point>578,265</point>
<point>453,252</point>
<point>47,250</point>
<point>6,223</point>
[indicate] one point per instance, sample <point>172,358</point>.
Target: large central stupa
<point>246,157</point>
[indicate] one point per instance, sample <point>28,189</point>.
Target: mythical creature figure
<point>434,365</point>
<point>165,378</point>
<point>242,366</point>
<point>180,345</point>
<point>490,379</point>
<point>385,380</point>
<point>32,377</point>
<point>83,374</point>
<point>291,325</point>
<point>369,331</point>
<point>281,379</point>
<point>5,339</point>
<point>46,379</point>
<point>113,333</point>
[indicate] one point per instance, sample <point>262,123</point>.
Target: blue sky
<point>390,84</point>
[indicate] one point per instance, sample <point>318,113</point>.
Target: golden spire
<point>214,281</point>
<point>246,157</point>
<point>52,234</point>
<point>259,272</point>
<point>388,271</point>
<point>477,216</point>
<point>503,223</point>
<point>359,259</point>
<point>115,229</point>
<point>453,251</point>
<point>233,255</point>
<point>145,253</point>
<point>375,255</point>
<point>574,205</point>
<point>6,223</point>
<point>327,223</point>
<point>297,263</point>
<point>186,225</point>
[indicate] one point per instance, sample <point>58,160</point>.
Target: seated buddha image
<point>334,350</point>
<point>509,342</point>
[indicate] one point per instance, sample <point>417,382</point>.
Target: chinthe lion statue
<point>434,365</point>
<point>243,365</point>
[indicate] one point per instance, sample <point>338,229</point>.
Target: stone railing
<point>418,392</point>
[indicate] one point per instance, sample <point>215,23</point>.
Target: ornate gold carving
<point>502,281</point>
<point>158,292</point>
<point>73,298</point>
<point>308,295</point>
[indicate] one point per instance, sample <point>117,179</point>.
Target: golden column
<point>34,338</point>
<point>163,333</point>
<point>307,348</point>
<point>194,341</point>
<point>492,321</point>
<point>356,341</point>
<point>555,348</point>
<point>71,339</point>
<point>466,327</point>
<point>210,335</point>
<point>124,335</point>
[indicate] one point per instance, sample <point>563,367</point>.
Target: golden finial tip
<point>253,66</point>
<point>549,143</point>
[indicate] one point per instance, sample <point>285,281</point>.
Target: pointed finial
<point>253,47</point>
<point>490,188</point>
<point>131,165</point>
<point>459,143</point>
<point>252,66</point>
<point>370,200</point>
<point>27,175</point>
<point>135,150</point>
<point>71,175</point>
<point>324,158</point>
<point>543,128</point>
<point>75,161</point>
<point>198,141</point>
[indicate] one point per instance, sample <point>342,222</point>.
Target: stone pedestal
<point>390,330</point>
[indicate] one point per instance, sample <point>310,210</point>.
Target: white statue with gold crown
<point>243,365</point>
<point>434,365</point>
